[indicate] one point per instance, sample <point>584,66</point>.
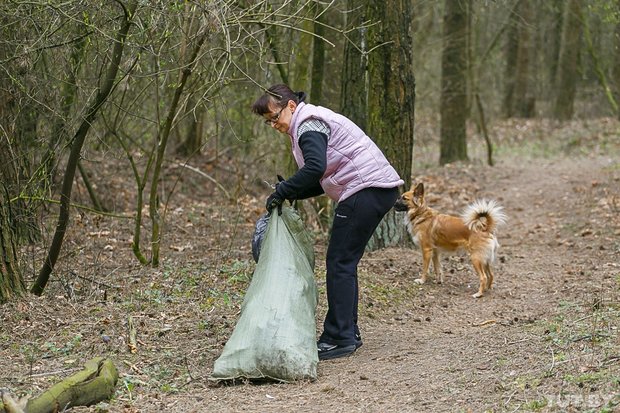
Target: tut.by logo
<point>564,401</point>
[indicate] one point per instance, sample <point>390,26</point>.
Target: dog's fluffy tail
<point>483,215</point>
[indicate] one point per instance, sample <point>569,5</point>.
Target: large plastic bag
<point>275,336</point>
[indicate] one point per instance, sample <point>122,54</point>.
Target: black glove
<point>275,200</point>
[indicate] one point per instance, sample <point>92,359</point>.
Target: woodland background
<point>123,113</point>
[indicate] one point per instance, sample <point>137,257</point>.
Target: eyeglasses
<point>273,120</point>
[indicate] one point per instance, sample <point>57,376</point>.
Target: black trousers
<point>355,220</point>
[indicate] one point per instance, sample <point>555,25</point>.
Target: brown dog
<point>473,231</point>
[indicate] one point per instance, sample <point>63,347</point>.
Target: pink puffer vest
<point>354,162</point>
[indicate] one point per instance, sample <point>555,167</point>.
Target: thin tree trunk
<point>454,111</point>
<point>140,185</point>
<point>512,56</point>
<point>193,138</point>
<point>161,151</point>
<point>89,188</point>
<point>76,148</point>
<point>68,94</point>
<point>565,87</point>
<point>598,67</point>
<point>555,42</point>
<point>523,104</point>
<point>273,48</point>
<point>325,205</point>
<point>483,128</point>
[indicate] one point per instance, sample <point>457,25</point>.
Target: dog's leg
<point>426,261</point>
<point>437,267</point>
<point>479,267</point>
<point>489,273</point>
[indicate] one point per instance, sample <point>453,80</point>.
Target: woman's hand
<point>274,200</point>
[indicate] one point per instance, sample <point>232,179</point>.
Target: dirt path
<point>442,350</point>
<point>545,339</point>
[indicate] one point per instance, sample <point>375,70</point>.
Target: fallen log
<point>90,386</point>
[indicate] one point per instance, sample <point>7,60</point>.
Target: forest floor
<point>544,339</point>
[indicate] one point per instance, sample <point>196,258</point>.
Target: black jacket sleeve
<point>305,183</point>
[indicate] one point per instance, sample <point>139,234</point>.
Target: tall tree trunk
<point>565,88</point>
<point>523,99</point>
<point>453,106</point>
<point>324,204</point>
<point>300,69</point>
<point>554,43</point>
<point>318,57</point>
<point>14,170</point>
<point>18,140</point>
<point>353,98</point>
<point>512,56</point>
<point>519,99</point>
<point>13,229</point>
<point>11,280</point>
<point>76,148</point>
<point>391,98</point>
<point>378,89</point>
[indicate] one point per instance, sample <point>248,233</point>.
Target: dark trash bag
<point>259,234</point>
<point>275,336</point>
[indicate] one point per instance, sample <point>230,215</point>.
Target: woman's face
<point>280,118</point>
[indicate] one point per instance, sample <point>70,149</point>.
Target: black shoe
<point>332,351</point>
<point>358,340</point>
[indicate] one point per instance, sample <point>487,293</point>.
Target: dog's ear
<point>418,192</point>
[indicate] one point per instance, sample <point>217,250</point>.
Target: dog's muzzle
<point>400,206</point>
